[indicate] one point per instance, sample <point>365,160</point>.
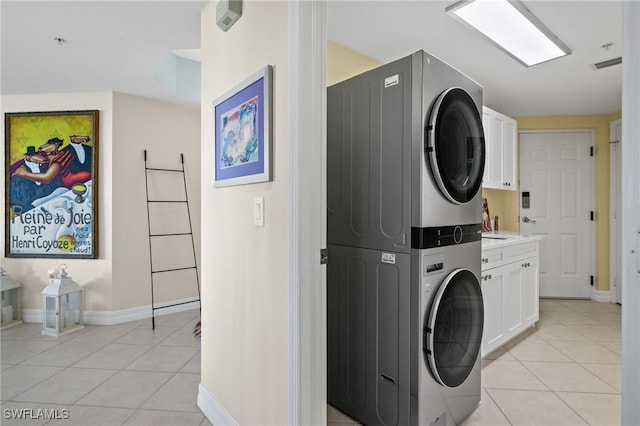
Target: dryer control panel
<point>441,236</point>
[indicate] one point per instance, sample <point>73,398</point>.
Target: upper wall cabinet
<point>500,135</point>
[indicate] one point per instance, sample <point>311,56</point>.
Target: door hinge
<point>592,215</point>
<point>591,151</point>
<point>324,256</point>
<point>592,280</point>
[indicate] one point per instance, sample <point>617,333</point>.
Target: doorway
<point>556,184</point>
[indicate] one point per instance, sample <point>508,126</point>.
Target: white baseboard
<point>211,407</point>
<point>121,316</point>
<point>601,296</point>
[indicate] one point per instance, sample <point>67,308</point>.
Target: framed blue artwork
<point>242,132</point>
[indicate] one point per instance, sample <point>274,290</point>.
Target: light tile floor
<point>125,374</point>
<point>565,371</point>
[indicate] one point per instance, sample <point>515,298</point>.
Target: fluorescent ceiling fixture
<point>511,26</point>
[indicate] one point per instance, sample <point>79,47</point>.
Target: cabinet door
<point>488,180</point>
<point>509,165</point>
<point>530,292</point>
<point>492,124</point>
<point>492,298</point>
<point>497,145</point>
<point>511,297</point>
<point>500,133</point>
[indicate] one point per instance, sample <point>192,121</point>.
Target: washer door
<point>452,334</point>
<point>455,145</point>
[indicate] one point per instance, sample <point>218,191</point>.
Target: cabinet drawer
<point>491,258</point>
<point>516,252</point>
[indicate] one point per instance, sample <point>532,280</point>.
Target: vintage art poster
<point>51,189</point>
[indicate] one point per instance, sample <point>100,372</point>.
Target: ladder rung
<point>171,235</point>
<point>164,170</point>
<point>166,201</point>
<point>171,270</point>
<point>175,304</point>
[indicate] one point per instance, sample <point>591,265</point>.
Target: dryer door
<point>452,333</point>
<point>455,145</point>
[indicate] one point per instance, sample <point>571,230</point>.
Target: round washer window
<point>453,328</point>
<point>456,145</point>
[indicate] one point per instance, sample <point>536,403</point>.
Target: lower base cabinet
<point>510,292</point>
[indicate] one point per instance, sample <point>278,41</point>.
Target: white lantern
<point>11,294</point>
<point>62,304</point>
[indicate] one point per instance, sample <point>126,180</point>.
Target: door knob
<point>527,220</point>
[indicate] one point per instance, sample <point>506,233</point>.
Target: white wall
<point>245,276</point>
<point>119,280</point>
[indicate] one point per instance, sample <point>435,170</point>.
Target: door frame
<point>615,189</point>
<point>592,185</point>
<point>307,342</point>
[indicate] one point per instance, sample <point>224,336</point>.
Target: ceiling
<point>110,45</point>
<point>121,45</point>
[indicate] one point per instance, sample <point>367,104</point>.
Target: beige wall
<point>505,203</point>
<point>165,130</point>
<point>344,63</point>
<point>245,273</point>
<point>119,279</point>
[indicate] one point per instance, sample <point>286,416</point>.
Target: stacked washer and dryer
<point>405,314</point>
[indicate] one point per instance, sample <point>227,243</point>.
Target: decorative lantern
<point>11,291</point>
<point>62,304</point>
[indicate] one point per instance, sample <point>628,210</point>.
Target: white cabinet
<point>500,136</point>
<point>510,292</point>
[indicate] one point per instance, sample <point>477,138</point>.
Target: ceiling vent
<point>609,63</point>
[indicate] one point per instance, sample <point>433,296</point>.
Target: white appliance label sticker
<point>391,81</point>
<point>389,258</point>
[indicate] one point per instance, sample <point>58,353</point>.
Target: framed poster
<point>242,132</point>
<point>51,184</point>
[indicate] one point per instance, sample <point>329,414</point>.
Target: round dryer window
<point>456,145</point>
<point>453,329</point>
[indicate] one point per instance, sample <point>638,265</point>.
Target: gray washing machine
<point>405,158</point>
<point>451,315</point>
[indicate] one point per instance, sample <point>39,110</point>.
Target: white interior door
<point>615,202</point>
<point>556,172</point>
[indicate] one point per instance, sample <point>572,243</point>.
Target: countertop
<point>505,238</point>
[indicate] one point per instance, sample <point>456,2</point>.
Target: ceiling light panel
<point>512,27</point>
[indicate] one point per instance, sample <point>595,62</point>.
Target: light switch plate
<point>258,211</point>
